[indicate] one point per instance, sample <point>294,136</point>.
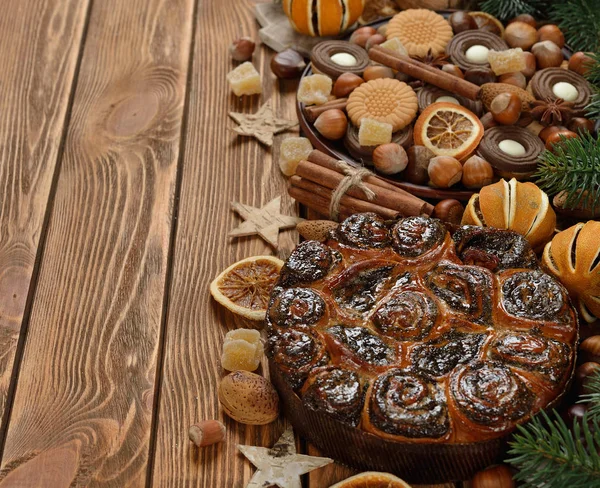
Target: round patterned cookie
<point>420,30</point>
<point>385,100</point>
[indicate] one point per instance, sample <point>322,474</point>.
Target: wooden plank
<point>218,168</point>
<point>83,405</point>
<point>39,57</point>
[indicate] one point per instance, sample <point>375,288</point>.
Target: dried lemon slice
<point>448,129</point>
<point>372,479</point>
<point>245,287</point>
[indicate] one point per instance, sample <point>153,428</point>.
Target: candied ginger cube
<point>242,350</point>
<point>293,149</point>
<point>395,45</point>
<point>508,61</point>
<point>373,133</point>
<point>245,80</point>
<point>314,89</point>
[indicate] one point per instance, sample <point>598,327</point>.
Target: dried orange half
<point>448,129</point>
<point>372,479</point>
<point>245,287</point>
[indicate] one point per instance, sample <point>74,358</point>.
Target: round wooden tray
<point>337,150</point>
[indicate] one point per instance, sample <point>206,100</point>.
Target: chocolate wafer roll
<point>332,58</point>
<point>460,43</point>
<point>431,94</point>
<point>550,83</point>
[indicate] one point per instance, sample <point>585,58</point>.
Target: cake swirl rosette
<point>431,94</point>
<point>309,262</point>
<point>322,62</point>
<point>296,306</point>
<point>460,43</point>
<point>401,403</point>
<point>413,237</point>
<point>364,231</point>
<point>543,82</point>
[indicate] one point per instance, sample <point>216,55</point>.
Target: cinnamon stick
<point>425,73</point>
<point>314,202</point>
<point>347,203</point>
<point>312,113</point>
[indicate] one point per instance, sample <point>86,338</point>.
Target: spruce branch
<point>580,22</point>
<point>592,398</point>
<point>593,71</point>
<point>507,9</point>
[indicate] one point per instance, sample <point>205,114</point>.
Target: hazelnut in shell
<point>332,124</point>
<point>580,63</point>
<point>582,376</point>
<point>520,34</point>
<point>516,79</point>
<point>242,49</point>
<point>418,162</point>
<point>557,137</point>
<point>581,125</point>
<point>390,158</point>
<point>552,33</point>
<point>449,210</point>
<point>461,21</point>
<point>453,70</point>
<point>248,398</point>
<point>361,35</point>
<point>590,348</point>
<point>547,54</point>
<point>480,76</point>
<point>375,72</point>
<point>498,476</point>
<point>345,84</point>
<point>551,129</point>
<point>444,171</point>
<point>288,64</point>
<point>374,40</point>
<point>207,432</point>
<point>530,64</point>
<point>506,108</point>
<point>527,18</point>
<point>477,172</point>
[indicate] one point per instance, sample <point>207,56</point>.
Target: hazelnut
<point>548,131</point>
<point>487,119</point>
<point>520,34</point>
<point>449,210</point>
<point>480,76</point>
<point>287,64</point>
<point>552,33</point>
<point>390,158</point>
<point>207,432</point>
<point>374,72</point>
<point>248,398</point>
<point>382,29</point>
<point>530,64</point>
<point>580,63</point>
<point>581,125</point>
<point>506,108</point>
<point>418,162</point>
<point>345,84</point>
<point>444,171</point>
<point>332,124</point>
<point>477,172</point>
<point>374,40</point>
<point>516,79</point>
<point>558,136</point>
<point>547,54</point>
<point>527,18</point>
<point>453,70</point>
<point>361,35</point>
<point>242,49</point>
<point>462,21</point>
<point>495,477</point>
<point>582,376</point>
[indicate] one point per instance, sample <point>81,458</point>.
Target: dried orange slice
<point>448,129</point>
<point>372,479</point>
<point>488,22</point>
<point>245,287</point>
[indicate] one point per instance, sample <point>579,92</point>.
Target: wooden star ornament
<point>262,124</point>
<point>280,465</point>
<point>265,221</point>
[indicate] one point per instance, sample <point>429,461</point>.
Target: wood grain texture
<point>219,167</point>
<point>39,55</point>
<point>83,405</point>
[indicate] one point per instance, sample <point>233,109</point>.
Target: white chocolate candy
<point>565,90</point>
<point>448,99</point>
<point>512,148</point>
<point>344,59</point>
<point>477,54</point>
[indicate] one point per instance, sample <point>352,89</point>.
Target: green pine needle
<point>593,397</point>
<point>508,9</point>
<point>592,109</point>
<point>593,72</point>
<point>574,167</point>
<point>580,22</point>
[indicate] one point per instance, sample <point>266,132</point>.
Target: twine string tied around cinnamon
<point>353,179</point>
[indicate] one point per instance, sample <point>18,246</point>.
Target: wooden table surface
<point>117,167</point>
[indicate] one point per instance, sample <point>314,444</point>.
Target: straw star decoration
<point>280,465</point>
<point>262,124</point>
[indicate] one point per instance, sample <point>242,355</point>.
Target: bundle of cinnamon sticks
<point>317,178</point>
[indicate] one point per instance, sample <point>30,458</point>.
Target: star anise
<point>436,61</point>
<point>552,111</point>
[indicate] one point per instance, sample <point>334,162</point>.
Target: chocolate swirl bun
<point>507,165</point>
<point>407,315</point>
<point>336,391</point>
<point>543,81</point>
<point>534,295</point>
<point>439,357</point>
<point>309,262</point>
<point>458,45</point>
<point>414,236</point>
<point>429,94</point>
<point>403,137</point>
<point>490,394</point>
<point>465,289</point>
<point>320,58</point>
<point>362,344</point>
<point>364,231</point>
<point>407,405</point>
<point>297,352</point>
<point>534,353</point>
<point>296,306</point>
<point>493,249</point>
<point>361,285</point>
